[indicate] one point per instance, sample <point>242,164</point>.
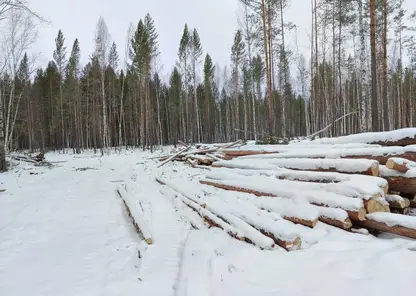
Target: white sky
<point>215,20</point>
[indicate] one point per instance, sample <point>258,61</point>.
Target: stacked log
<point>346,166</point>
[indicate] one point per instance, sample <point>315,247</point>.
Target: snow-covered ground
<point>65,231</point>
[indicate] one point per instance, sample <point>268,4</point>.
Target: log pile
<point>365,181</point>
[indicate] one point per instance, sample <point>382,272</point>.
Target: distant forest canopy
<point>361,68</point>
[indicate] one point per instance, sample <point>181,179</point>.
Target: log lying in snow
<point>213,220</point>
<point>397,202</point>
<point>400,137</point>
<point>400,182</point>
<point>297,213</point>
<point>353,206</point>
<point>332,216</point>
<point>390,222</point>
<point>381,154</point>
<point>400,164</point>
<point>247,231</point>
<point>347,166</point>
<point>136,215</point>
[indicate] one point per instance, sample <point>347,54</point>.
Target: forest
<point>360,76</point>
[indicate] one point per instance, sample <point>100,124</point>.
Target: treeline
<point>271,89</point>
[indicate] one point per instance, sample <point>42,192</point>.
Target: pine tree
<point>184,62</point>
<point>237,57</point>
<point>209,69</point>
<point>196,53</point>
<point>59,56</point>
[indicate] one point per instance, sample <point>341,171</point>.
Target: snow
<point>66,232</point>
<point>392,219</point>
<point>394,197</point>
<point>373,137</point>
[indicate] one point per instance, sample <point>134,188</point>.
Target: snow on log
<point>355,186</point>
<point>213,220</point>
<point>390,222</point>
<point>400,182</point>
<point>251,234</point>
<point>182,190</point>
<point>332,216</point>
<point>368,183</point>
<point>135,213</point>
<point>381,154</point>
<point>400,164</point>
<point>266,187</point>
<point>185,211</point>
<point>397,202</point>
<point>298,213</point>
<point>399,137</point>
<point>245,230</point>
<point>284,233</point>
<point>348,166</point>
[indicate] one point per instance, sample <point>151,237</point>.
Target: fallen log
<point>135,214</point>
<point>400,164</point>
<point>347,166</point>
<point>353,206</point>
<point>400,182</point>
<point>390,222</point>
<point>381,154</point>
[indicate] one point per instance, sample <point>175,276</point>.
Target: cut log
<point>399,137</point>
<point>353,206</point>
<point>2,190</point>
<point>282,232</point>
<point>381,154</point>
<point>213,220</point>
<point>174,156</point>
<point>398,164</point>
<point>400,182</point>
<point>397,202</point>
<point>376,205</point>
<point>309,213</point>
<point>372,185</point>
<point>347,166</point>
<point>390,222</point>
<point>413,203</point>
<point>135,214</point>
<point>183,191</point>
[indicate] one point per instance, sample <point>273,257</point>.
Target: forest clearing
<point>207,148</point>
<point>214,219</point>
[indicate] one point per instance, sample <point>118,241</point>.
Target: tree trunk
<point>374,107</point>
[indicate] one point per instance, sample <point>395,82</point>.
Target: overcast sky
<point>215,20</point>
